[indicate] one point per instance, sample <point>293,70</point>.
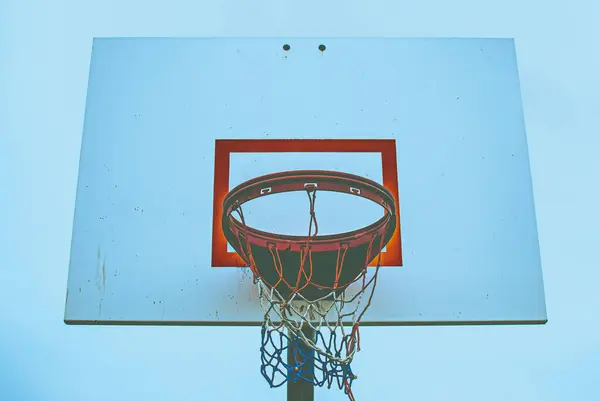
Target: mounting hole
<point>286,47</point>
<point>265,191</point>
<point>322,48</point>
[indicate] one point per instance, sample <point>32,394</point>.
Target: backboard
<point>171,125</point>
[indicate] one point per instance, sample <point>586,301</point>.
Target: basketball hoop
<point>311,282</point>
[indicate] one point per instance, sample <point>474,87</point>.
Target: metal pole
<point>302,390</point>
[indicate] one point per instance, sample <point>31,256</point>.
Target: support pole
<point>302,390</point>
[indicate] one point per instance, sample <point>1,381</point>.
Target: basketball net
<point>334,317</point>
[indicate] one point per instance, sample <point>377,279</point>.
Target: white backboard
<point>142,245</point>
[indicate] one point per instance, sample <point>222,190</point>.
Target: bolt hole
<point>322,48</point>
<point>286,47</point>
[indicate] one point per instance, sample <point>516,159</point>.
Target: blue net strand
<point>308,365</point>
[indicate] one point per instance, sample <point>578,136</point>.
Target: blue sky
<point>44,60</point>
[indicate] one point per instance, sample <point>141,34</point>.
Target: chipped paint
<point>100,278</point>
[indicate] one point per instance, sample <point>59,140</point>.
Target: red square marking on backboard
<point>221,257</point>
